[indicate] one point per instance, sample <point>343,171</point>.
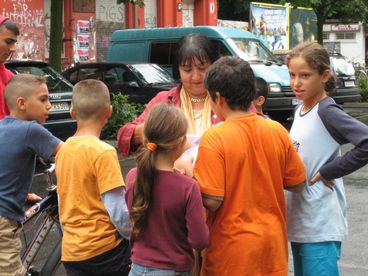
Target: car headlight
<point>274,87</point>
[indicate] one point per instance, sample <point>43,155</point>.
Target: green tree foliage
<point>363,84</point>
<point>237,9</point>
<point>122,112</point>
<point>139,3</point>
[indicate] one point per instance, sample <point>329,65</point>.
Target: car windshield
<point>55,82</point>
<point>342,66</point>
<point>151,74</point>
<point>252,50</point>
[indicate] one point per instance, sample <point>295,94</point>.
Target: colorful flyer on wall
<point>83,40</point>
<point>83,54</point>
<point>82,26</point>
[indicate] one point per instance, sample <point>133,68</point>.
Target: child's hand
<point>318,176</point>
<point>184,165</point>
<point>33,197</point>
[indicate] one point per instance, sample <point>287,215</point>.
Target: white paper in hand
<point>194,149</point>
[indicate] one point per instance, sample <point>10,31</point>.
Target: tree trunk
<point>56,34</point>
<point>320,21</point>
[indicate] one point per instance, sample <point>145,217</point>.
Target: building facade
<point>346,39</point>
<point>88,24</point>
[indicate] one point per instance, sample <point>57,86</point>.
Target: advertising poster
<point>269,23</point>
<point>83,26</point>
<point>303,26</point>
<point>83,40</point>
<point>83,54</point>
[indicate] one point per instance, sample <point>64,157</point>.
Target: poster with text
<point>83,27</point>
<point>83,40</point>
<point>303,26</point>
<point>269,23</point>
<point>83,54</point>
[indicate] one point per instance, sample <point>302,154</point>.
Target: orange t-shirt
<point>247,161</point>
<point>86,168</point>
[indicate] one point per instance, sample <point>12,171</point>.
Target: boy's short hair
<point>10,25</point>
<point>21,85</point>
<point>233,78</point>
<point>261,87</point>
<point>91,99</point>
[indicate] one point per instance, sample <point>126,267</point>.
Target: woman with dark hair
<point>194,57</point>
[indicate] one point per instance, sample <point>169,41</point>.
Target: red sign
<point>352,27</point>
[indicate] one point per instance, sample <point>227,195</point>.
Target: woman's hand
<point>318,176</point>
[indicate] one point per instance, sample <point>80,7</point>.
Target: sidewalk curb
<point>362,106</point>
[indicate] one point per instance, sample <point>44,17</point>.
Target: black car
<point>59,122</point>
<point>140,81</point>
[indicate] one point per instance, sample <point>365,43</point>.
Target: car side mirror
<point>133,84</point>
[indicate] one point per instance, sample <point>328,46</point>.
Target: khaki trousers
<point>10,247</point>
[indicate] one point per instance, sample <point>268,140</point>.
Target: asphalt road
<point>354,260</point>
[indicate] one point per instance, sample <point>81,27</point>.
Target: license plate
<point>60,106</point>
<point>349,84</point>
<point>294,101</point>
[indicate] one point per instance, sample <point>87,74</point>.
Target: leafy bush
<point>363,84</point>
<point>122,112</point>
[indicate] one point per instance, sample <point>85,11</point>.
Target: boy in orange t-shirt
<point>243,167</point>
<point>91,191</point>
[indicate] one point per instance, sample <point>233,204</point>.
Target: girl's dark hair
<point>11,26</point>
<point>191,46</point>
<point>166,126</point>
<point>317,58</point>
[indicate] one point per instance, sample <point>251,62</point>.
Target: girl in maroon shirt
<point>165,206</point>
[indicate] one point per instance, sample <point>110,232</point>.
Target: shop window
<point>342,36</point>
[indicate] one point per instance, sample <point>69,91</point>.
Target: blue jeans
<point>320,258</point>
<point>139,270</point>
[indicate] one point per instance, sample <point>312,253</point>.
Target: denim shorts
<point>139,270</point>
<point>320,258</point>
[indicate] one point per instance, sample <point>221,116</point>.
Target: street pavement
<point>354,259</point>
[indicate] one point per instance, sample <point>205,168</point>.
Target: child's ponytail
<point>143,191</point>
<point>330,85</point>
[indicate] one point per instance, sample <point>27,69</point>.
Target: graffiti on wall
<point>110,17</point>
<point>29,17</point>
<point>104,31</point>
<point>110,11</point>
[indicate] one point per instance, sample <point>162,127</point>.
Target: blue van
<point>158,45</point>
